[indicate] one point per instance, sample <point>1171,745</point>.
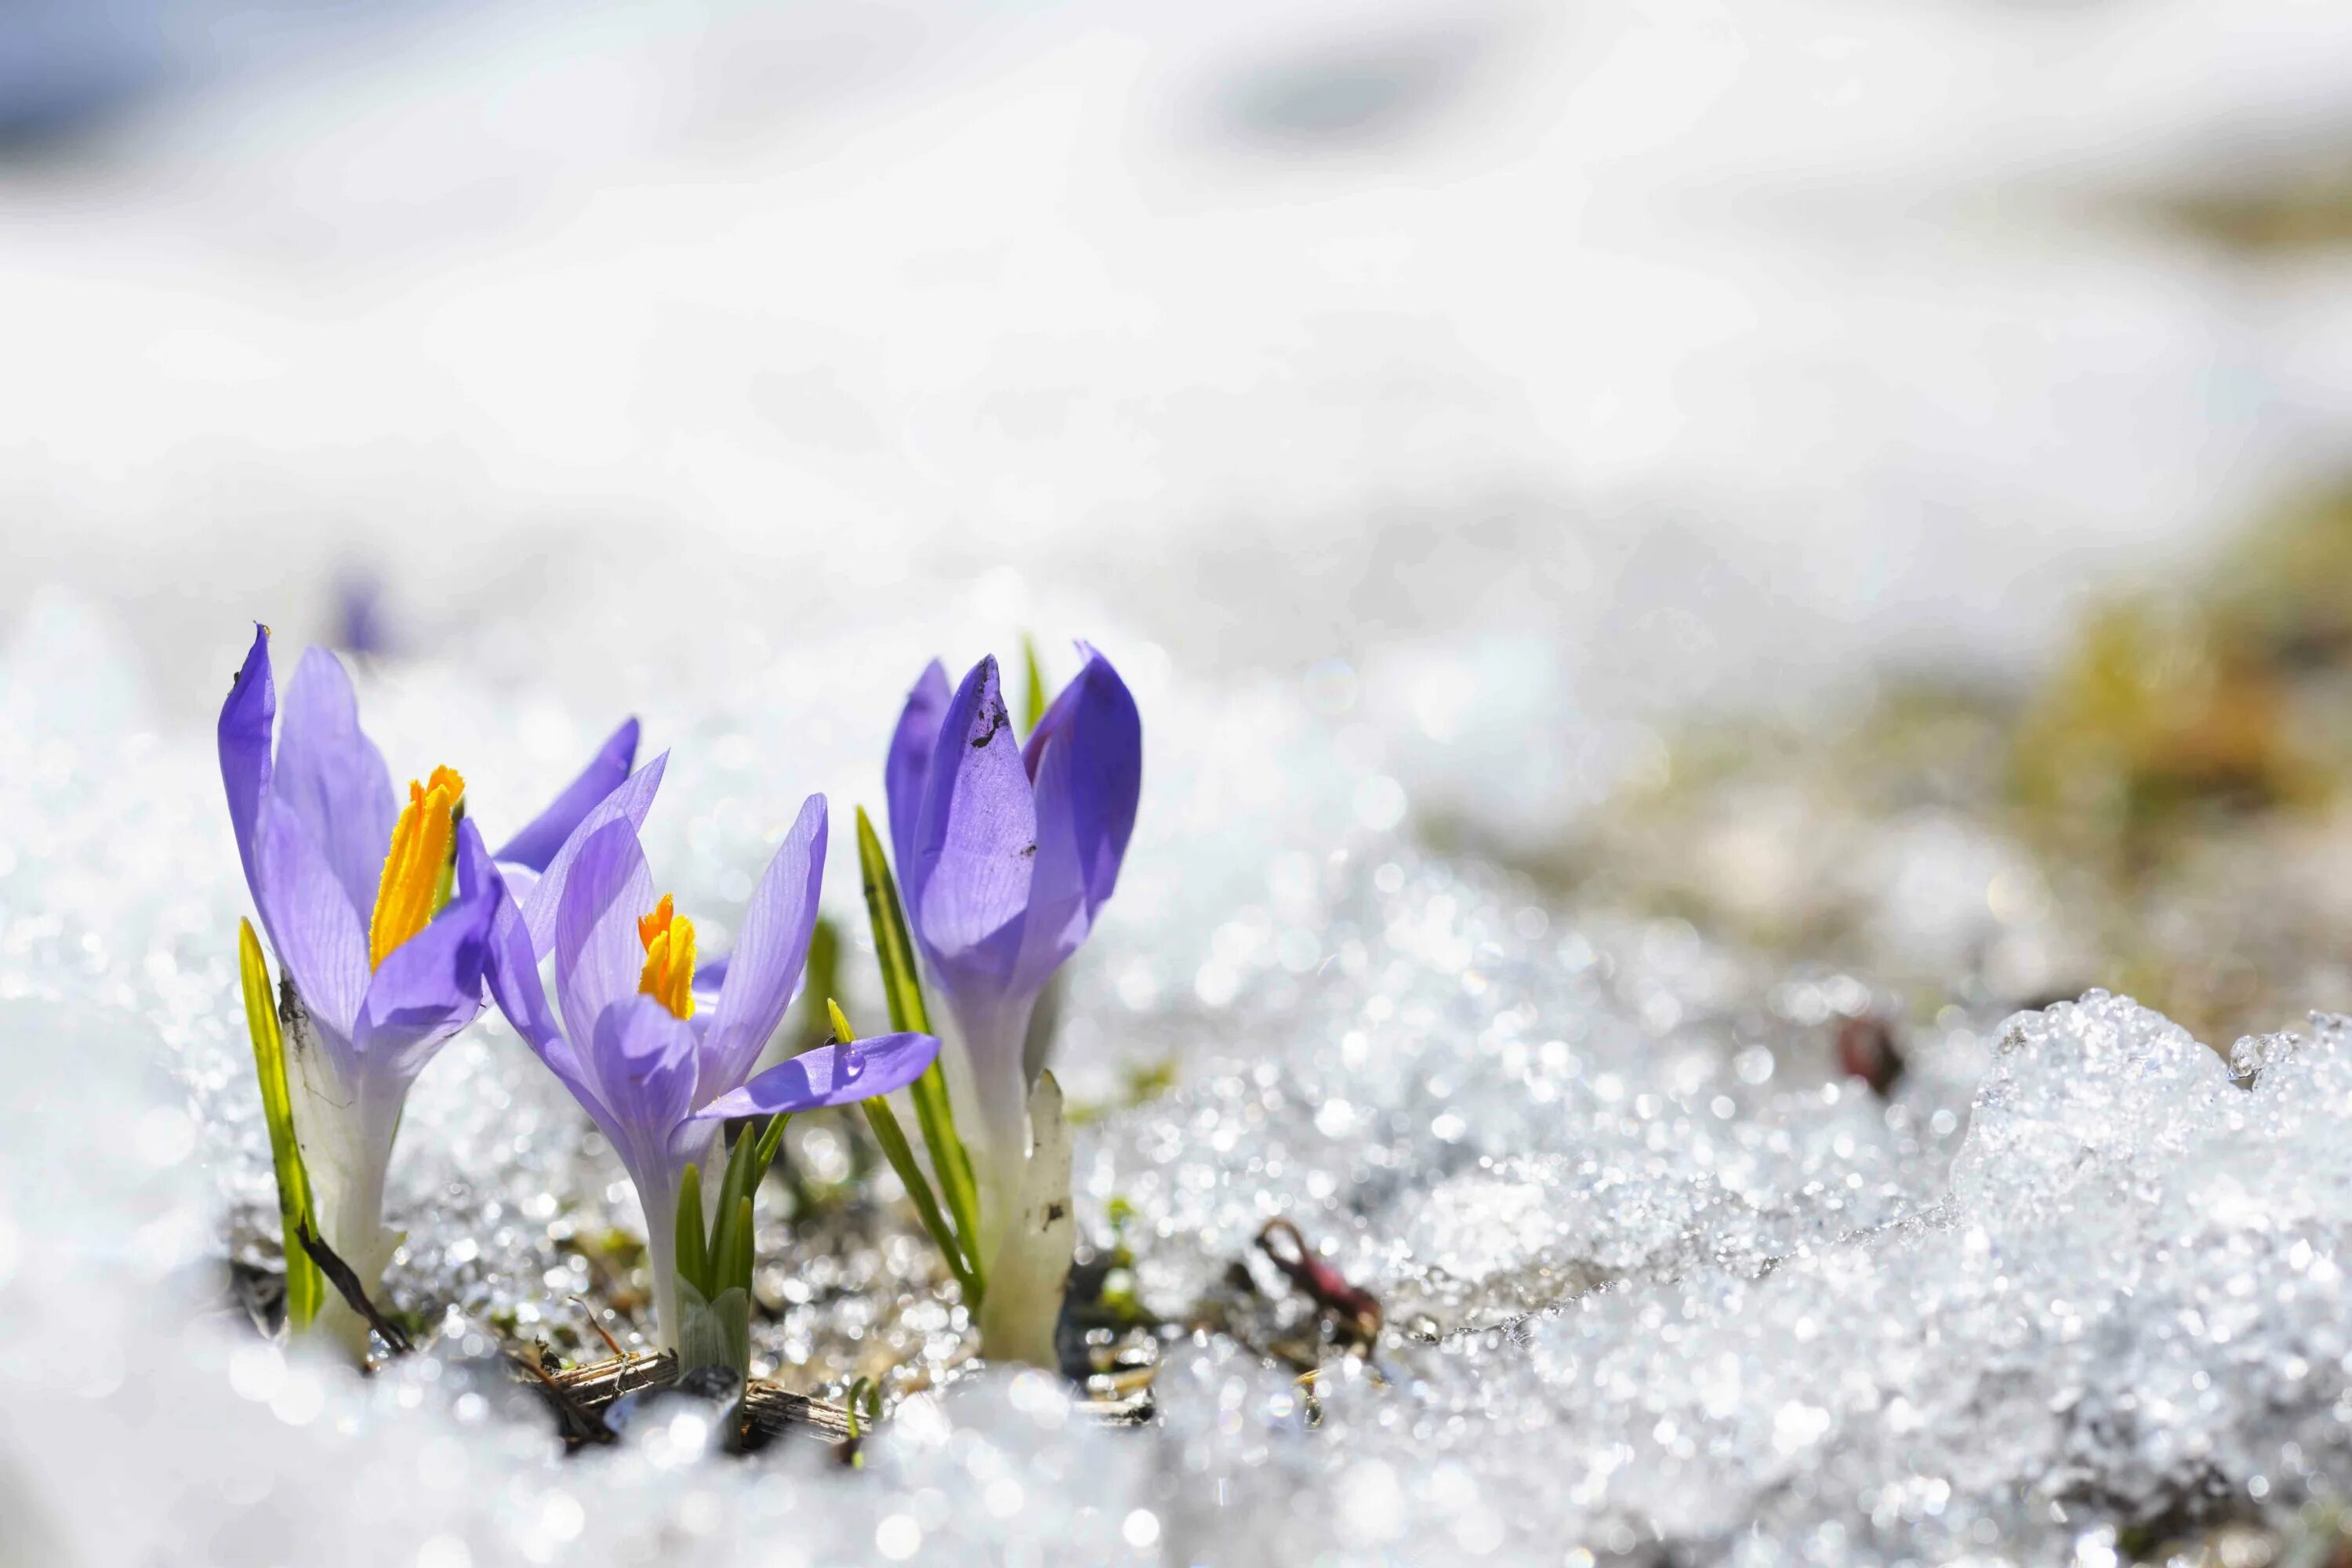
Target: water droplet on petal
<point>852,1061</point>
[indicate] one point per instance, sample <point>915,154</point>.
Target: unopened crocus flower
<point>379,915</point>
<point>1006,852</point>
<point>657,1069</point>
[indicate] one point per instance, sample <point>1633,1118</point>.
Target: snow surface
<point>1659,1285</point>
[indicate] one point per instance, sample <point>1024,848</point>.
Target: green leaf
<point>902,984</point>
<point>693,1264</point>
<point>895,1149</point>
<point>887,1130</point>
<point>736,1184</point>
<point>1035,695</point>
<point>819,978</point>
<point>771,1137</point>
<point>714,1278</point>
<point>731,1249</point>
<point>714,1331</point>
<point>747,1252</point>
<point>306,1288</point>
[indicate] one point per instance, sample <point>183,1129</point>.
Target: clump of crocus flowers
<point>380,915</point>
<point>390,922</point>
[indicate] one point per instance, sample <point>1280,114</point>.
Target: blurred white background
<point>1666,348</point>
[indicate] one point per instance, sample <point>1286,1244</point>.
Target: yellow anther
<point>416,870</point>
<point>668,975</point>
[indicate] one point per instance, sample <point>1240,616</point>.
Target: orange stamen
<point>668,975</point>
<point>416,868</point>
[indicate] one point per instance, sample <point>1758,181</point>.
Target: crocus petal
<point>711,976</point>
<point>244,736</point>
<point>311,922</point>
<point>334,778</point>
<point>598,954</point>
<point>643,1056</point>
<point>627,803</point>
<point>765,967</point>
<point>1094,717</point>
<point>520,881</point>
<point>1087,763</point>
<point>430,986</point>
<point>511,972</point>
<point>1060,915</point>
<point>536,845</point>
<point>975,840</point>
<point>829,1075</point>
<point>909,765</point>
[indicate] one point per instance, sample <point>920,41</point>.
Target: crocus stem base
<point>1032,1267</point>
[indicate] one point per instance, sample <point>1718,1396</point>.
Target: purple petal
<point>598,955</point>
<point>627,803</point>
<point>311,922</point>
<point>430,986</point>
<point>643,1058</point>
<point>536,845</point>
<point>511,972</point>
<point>712,975</point>
<point>334,778</point>
<point>910,765</point>
<point>1087,763</point>
<point>829,1075</point>
<point>520,881</point>
<point>976,838</point>
<point>244,736</point>
<point>765,967</point>
<point>1060,915</point>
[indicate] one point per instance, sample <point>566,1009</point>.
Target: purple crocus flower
<point>379,916</point>
<point>657,1071</point>
<point>1006,853</point>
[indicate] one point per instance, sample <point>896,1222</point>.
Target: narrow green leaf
<point>771,1137</point>
<point>699,1342</point>
<point>731,1249</point>
<point>735,1184</point>
<point>902,984</point>
<point>932,1114</point>
<point>747,1248</point>
<point>895,1149</point>
<point>713,1331</point>
<point>958,1248</point>
<point>1035,694</point>
<point>819,978</point>
<point>693,1253</point>
<point>306,1289</point>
